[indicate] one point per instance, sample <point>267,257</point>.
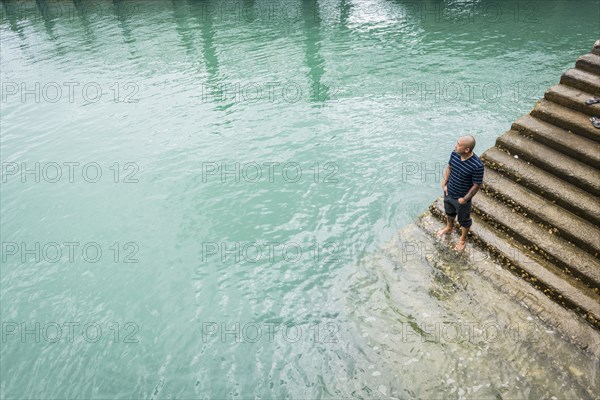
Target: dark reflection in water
<point>182,28</point>
<point>49,23</point>
<point>345,11</point>
<point>82,14</point>
<point>10,8</point>
<point>44,11</point>
<point>121,10</point>
<point>204,20</point>
<point>314,60</point>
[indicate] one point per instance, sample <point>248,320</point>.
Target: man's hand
<point>445,179</point>
<point>461,200</point>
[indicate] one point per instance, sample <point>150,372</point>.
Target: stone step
<point>552,161</point>
<point>571,260</point>
<point>570,227</point>
<point>566,118</point>
<point>576,146</point>
<point>596,48</point>
<point>580,79</point>
<point>572,98</point>
<point>563,289</point>
<point>589,62</point>
<point>556,190</point>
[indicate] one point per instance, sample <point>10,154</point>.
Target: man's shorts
<point>453,208</point>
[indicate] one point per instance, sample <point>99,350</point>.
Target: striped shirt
<point>463,174</point>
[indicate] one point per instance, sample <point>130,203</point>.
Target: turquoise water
<point>194,195</point>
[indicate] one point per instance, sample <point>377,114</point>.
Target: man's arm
<point>445,179</point>
<point>477,181</point>
<point>472,192</point>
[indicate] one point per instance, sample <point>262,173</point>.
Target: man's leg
<point>462,242</point>
<point>450,211</point>
<point>448,228</point>
<point>465,221</point>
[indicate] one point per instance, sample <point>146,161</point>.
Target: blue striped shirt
<point>463,175</point>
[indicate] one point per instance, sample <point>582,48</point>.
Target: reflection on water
<point>364,98</point>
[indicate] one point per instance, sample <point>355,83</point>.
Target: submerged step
<point>567,292</point>
<point>571,227</point>
<point>573,261</point>
<point>573,145</point>
<point>581,79</point>
<point>556,190</point>
<point>571,321</point>
<point>572,98</point>
<point>552,161</point>
<point>566,118</point>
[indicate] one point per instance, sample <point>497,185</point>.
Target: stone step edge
<point>565,96</point>
<point>581,79</point>
<point>589,62</point>
<point>547,247</point>
<point>570,325</point>
<point>552,136</point>
<point>545,158</point>
<point>535,180</point>
<point>526,270</point>
<point>575,122</point>
<point>532,211</point>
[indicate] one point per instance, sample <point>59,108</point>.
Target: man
<point>462,178</point>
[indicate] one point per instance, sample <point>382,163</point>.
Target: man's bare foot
<point>460,245</point>
<point>443,232</point>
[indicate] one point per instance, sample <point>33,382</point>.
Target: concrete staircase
<point>539,211</point>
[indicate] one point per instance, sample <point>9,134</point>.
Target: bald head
<point>465,145</point>
<point>468,142</point>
